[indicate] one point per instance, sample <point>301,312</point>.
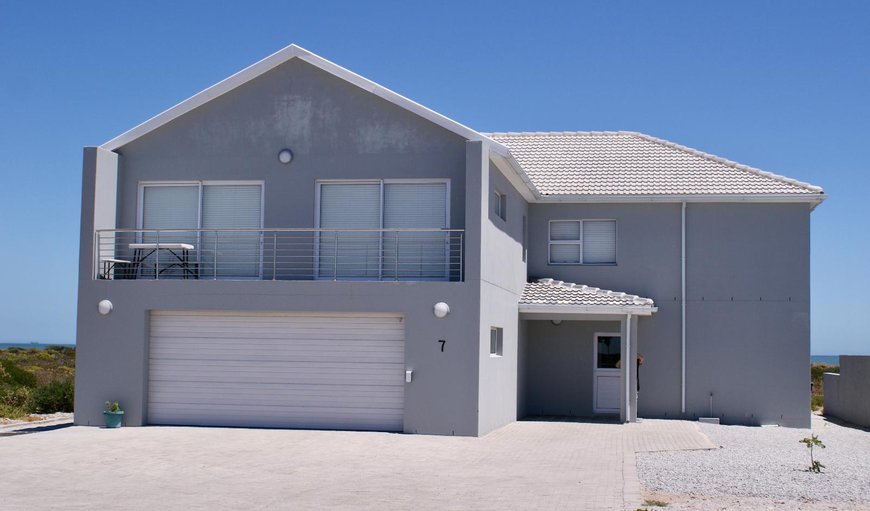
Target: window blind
<point>599,241</point>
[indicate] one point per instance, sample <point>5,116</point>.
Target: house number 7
<point>443,342</point>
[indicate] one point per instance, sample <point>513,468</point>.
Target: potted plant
<point>113,414</point>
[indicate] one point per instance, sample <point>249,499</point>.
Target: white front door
<point>606,373</point>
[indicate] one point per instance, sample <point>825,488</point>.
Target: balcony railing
<point>279,254</point>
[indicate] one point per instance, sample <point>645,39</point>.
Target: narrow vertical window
<point>499,204</point>
<point>496,341</point>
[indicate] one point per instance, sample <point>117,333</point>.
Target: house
<point>297,246</point>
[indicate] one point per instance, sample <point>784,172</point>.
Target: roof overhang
<point>530,309</point>
<point>275,60</point>
<point>783,198</point>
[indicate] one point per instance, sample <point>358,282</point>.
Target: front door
<point>606,374</point>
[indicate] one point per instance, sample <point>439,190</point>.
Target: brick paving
<point>524,465</point>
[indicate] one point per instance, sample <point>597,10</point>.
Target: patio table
<point>180,251</point>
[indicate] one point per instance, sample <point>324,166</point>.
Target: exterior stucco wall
<point>752,353</point>
<point>503,275</point>
<point>847,394</point>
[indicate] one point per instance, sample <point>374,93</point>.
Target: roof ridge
<point>637,299</point>
<point>724,161</point>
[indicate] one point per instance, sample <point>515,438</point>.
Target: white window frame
<point>499,341</point>
<point>579,241</point>
<point>500,204</point>
<point>320,182</point>
<point>140,208</point>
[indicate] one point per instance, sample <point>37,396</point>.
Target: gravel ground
<point>760,468</point>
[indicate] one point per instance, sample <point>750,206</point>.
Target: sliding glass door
<point>379,251</point>
<point>225,207</point>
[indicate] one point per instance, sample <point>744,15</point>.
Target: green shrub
<point>54,396</point>
<point>14,397</point>
<point>17,376</point>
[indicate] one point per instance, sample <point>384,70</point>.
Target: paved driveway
<point>525,465</point>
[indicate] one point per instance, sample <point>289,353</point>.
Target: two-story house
<point>297,246</point>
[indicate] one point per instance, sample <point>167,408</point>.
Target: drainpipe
<point>626,357</point>
<point>683,306</point>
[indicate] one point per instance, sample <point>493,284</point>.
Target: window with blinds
<point>582,242</point>
<point>224,206</point>
<point>386,207</point>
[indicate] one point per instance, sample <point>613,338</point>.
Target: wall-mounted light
<point>556,322</point>
<point>441,310</point>
<point>105,307</point>
<point>285,156</point>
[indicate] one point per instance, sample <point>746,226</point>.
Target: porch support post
<point>626,365</point>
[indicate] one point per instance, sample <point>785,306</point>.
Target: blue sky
<point>783,86</point>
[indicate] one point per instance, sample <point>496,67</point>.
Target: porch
<point>576,340</point>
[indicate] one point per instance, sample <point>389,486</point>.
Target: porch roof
<point>556,296</point>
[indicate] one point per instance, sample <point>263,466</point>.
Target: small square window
<point>496,341</point>
<point>499,205</point>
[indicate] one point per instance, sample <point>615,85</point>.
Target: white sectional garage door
<point>324,371</point>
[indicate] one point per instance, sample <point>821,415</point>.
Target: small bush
<point>55,396</point>
<point>14,397</point>
<point>17,376</point>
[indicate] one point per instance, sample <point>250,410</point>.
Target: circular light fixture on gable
<point>285,156</point>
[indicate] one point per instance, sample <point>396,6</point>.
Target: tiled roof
<point>556,292</point>
<point>629,163</point>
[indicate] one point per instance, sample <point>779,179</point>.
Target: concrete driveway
<point>550,465</point>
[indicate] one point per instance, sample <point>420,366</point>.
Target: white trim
<point>607,371</point>
<point>540,308</point>
<point>276,59</point>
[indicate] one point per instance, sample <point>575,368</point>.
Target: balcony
<point>407,255</point>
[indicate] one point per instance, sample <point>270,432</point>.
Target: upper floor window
<point>582,242</point>
<point>499,204</point>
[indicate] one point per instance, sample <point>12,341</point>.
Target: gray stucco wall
<point>747,302</point>
<point>847,394</point>
<point>503,275</point>
<point>335,131</point>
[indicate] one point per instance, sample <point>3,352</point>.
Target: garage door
<point>324,371</point>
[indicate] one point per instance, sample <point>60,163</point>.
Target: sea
<point>831,360</point>
<point>36,345</point>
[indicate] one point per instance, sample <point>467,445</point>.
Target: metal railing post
<point>157,258</point>
<point>214,256</point>
<point>274,254</point>
<point>396,277</point>
<point>335,256</point>
<point>461,257</point>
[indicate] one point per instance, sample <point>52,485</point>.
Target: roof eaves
<point>813,198</point>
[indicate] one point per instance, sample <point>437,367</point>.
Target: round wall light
<point>556,322</point>
<point>285,156</point>
<point>441,310</point>
<point>105,307</point>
